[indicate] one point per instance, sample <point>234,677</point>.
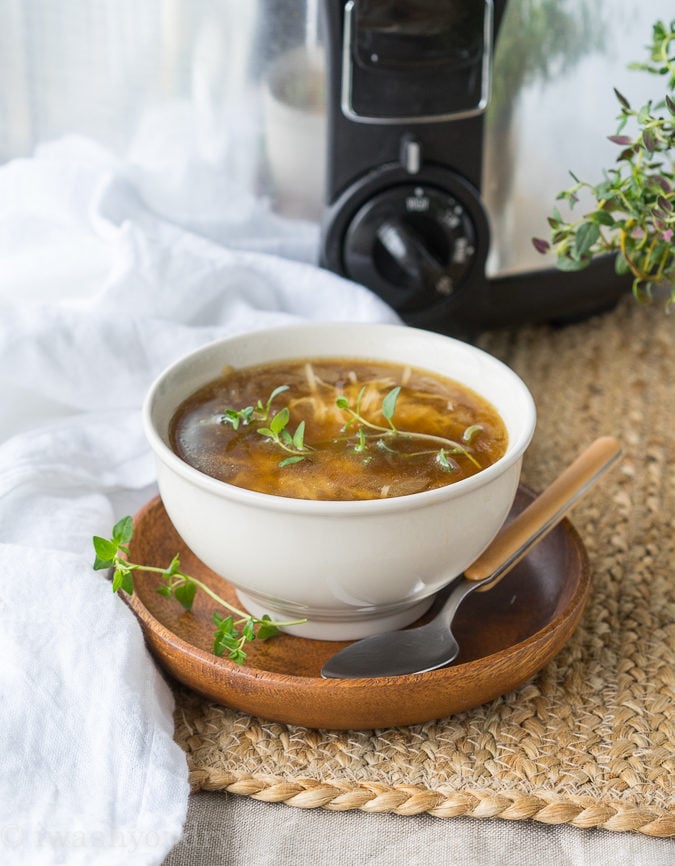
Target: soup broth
<point>337,429</point>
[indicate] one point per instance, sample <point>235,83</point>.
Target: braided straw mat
<point>589,741</point>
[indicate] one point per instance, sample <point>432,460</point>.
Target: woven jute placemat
<point>589,741</point>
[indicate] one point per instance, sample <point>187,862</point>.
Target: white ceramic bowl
<point>350,568</point>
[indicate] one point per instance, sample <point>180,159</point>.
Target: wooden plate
<point>506,635</point>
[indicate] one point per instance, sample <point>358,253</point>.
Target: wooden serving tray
<point>506,635</point>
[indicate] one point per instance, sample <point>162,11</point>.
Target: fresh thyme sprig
<point>634,213</point>
<point>391,431</point>
<point>276,430</point>
<point>231,633</point>
<point>293,443</point>
<point>260,412</point>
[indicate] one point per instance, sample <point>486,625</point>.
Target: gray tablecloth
<point>228,830</point>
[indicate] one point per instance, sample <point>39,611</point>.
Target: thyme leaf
<point>232,632</point>
<point>293,443</point>
<point>275,428</point>
<point>633,211</point>
<point>389,405</point>
<point>392,432</point>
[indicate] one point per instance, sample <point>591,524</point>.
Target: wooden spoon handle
<point>547,510</point>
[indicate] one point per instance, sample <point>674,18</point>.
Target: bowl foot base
<point>337,629</point>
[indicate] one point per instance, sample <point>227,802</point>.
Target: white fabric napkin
<point>98,292</point>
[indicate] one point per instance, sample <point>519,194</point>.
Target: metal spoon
<point>433,645</point>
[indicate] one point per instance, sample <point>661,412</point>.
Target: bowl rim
<point>361,508</point>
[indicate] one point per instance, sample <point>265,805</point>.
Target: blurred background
<point>198,97</point>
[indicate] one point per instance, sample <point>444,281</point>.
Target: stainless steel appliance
<point>409,86</point>
<point>413,145</point>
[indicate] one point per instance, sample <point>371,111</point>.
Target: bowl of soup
<point>338,473</point>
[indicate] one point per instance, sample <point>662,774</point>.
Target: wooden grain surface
<point>506,636</point>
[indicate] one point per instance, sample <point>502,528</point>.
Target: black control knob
<point>412,244</point>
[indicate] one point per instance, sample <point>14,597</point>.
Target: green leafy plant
<point>231,632</point>
<point>634,205</point>
<point>363,432</point>
<point>383,435</point>
<point>279,433</point>
<point>260,412</point>
<point>277,430</point>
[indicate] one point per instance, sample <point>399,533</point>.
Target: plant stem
<point>393,432</point>
<point>206,589</point>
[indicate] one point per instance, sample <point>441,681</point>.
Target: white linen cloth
<point>98,293</point>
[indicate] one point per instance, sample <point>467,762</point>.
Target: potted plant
<point>633,206</point>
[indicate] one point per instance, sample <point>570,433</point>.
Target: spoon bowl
<point>433,645</point>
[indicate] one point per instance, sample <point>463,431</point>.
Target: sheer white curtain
<point>83,66</point>
<point>99,67</point>
<point>177,87</point>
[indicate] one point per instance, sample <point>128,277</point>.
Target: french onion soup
<point>337,429</point>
